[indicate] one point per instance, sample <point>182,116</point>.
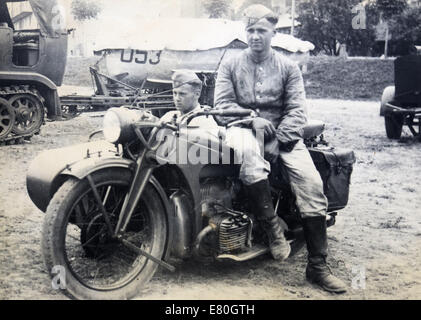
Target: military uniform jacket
<point>274,86</point>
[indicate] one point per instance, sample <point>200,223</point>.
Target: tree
<point>84,9</point>
<point>217,8</point>
<point>390,8</point>
<point>361,41</point>
<point>326,23</point>
<point>406,28</point>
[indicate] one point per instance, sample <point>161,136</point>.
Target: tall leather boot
<point>261,201</point>
<point>317,270</point>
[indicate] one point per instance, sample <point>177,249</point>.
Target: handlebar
<point>188,117</point>
<point>160,125</point>
<point>227,113</point>
<point>223,113</point>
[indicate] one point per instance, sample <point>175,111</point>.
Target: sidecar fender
<point>85,167</point>
<point>50,169</point>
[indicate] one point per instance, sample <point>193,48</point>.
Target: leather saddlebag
<point>335,167</point>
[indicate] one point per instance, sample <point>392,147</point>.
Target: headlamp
<point>117,124</point>
<point>111,126</point>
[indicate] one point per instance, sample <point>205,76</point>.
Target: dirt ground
<point>375,245</point>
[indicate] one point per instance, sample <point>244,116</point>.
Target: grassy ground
<point>326,77</point>
<point>341,78</point>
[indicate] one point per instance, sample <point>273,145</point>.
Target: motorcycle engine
<point>232,228</point>
<point>234,232</point>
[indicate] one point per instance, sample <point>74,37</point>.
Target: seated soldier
<point>187,88</point>
<point>260,78</point>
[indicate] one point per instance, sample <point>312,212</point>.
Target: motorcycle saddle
<point>313,128</point>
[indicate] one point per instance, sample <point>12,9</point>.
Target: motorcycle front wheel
<point>79,250</point>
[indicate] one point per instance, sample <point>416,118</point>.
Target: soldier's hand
<point>266,125</point>
<point>272,150</point>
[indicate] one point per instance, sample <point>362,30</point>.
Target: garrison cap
<point>257,12</point>
<point>181,77</point>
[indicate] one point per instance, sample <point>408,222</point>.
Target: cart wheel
<point>393,124</point>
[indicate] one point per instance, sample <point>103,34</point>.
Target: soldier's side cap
<point>181,77</point>
<point>257,12</point>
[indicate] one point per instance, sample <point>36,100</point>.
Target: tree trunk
<point>386,41</point>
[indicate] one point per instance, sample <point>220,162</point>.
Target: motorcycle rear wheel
<point>75,237</point>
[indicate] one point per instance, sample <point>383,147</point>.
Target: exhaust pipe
<point>202,234</point>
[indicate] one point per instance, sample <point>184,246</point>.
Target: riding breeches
<point>303,176</point>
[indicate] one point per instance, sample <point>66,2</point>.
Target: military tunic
<point>274,87</point>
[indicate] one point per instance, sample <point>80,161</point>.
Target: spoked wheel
<point>7,118</point>
<point>412,124</point>
<point>29,112</point>
<point>76,236</point>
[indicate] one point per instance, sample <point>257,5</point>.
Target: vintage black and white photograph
<point>210,150</point>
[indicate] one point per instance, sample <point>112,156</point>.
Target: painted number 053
<point>140,56</point>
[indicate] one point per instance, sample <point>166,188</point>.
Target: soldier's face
<point>186,98</point>
<point>259,37</point>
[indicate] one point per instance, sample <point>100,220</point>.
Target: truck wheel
<point>7,118</point>
<point>29,112</point>
<point>77,244</point>
<point>393,124</point>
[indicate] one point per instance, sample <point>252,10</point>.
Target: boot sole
<point>282,258</point>
<point>319,286</point>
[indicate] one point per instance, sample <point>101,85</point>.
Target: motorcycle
<point>119,208</point>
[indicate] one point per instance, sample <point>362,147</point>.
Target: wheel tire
<point>29,113</point>
<point>7,118</point>
<point>56,222</point>
<point>387,97</point>
<point>393,125</point>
